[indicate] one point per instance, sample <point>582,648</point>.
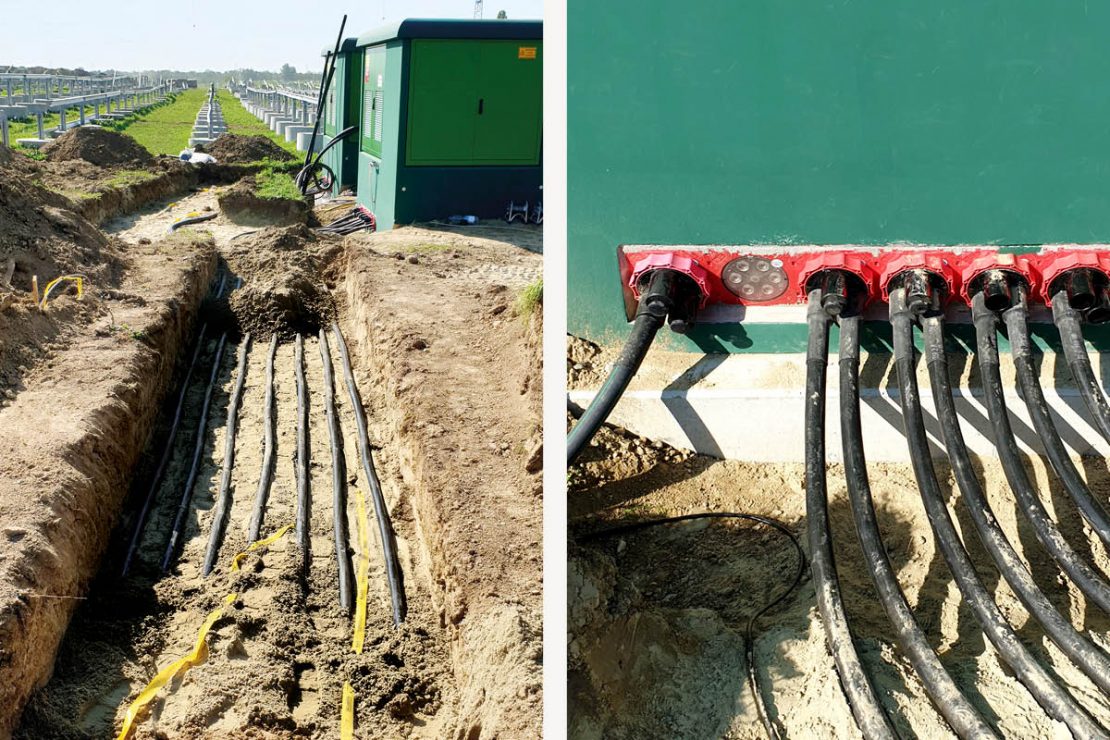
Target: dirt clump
<point>98,146</point>
<point>242,204</point>
<point>243,149</point>
<point>284,293</point>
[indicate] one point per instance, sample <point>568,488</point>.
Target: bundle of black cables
<point>358,218</point>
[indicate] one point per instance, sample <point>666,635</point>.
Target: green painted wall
<point>779,121</point>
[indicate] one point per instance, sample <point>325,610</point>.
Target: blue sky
<point>208,34</point>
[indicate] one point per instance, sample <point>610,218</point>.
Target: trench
<point>280,654</point>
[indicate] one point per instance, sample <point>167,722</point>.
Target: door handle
<point>481,105</point>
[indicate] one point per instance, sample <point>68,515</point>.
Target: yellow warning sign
<point>526,52</point>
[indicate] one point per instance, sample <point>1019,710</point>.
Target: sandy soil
<point>657,617</point>
<point>466,661</point>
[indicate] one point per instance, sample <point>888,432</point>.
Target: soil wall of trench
<point>68,444</point>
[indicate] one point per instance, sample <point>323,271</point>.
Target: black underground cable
<point>1085,654</point>
<point>198,448</point>
<point>868,712</point>
<point>1067,321</point>
<point>644,328</point>
<point>167,451</point>
<point>1091,583</point>
<point>946,696</point>
<point>223,497</point>
<point>303,519</point>
<point>266,476</point>
<point>393,574</point>
<point>338,480</point>
<point>193,220</point>
<point>1040,683</point>
<point>754,682</point>
<point>1017,329</point>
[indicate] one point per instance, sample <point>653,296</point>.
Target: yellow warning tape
<point>363,573</point>
<point>78,279</point>
<point>238,559</point>
<point>198,656</point>
<point>347,715</point>
<point>200,649</point>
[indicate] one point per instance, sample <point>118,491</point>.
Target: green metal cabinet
<point>790,122</point>
<point>451,119</point>
<point>341,111</point>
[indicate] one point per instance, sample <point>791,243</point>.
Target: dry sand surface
<point>657,617</point>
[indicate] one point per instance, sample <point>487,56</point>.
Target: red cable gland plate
<point>934,263</point>
<point>846,261</point>
<point>1014,263</point>
<point>1054,264</point>
<point>670,261</point>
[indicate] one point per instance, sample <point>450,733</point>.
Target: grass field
<point>240,121</point>
<point>166,130</point>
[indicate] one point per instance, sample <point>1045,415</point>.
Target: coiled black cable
<point>749,630</point>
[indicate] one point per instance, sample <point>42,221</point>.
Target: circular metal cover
<point>755,278</point>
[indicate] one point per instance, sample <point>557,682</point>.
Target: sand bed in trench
<point>656,618</point>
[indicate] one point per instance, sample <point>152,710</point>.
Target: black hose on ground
<point>1040,683</point>
<point>338,480</point>
<point>223,498</point>
<point>193,220</point>
<point>1017,329</point>
<point>198,448</point>
<point>1084,653</point>
<point>393,573</point>
<point>303,519</point>
<point>868,712</point>
<point>749,631</point>
<point>266,476</point>
<point>1047,532</point>
<point>167,451</point>
<point>946,696</point>
<point>1067,321</point>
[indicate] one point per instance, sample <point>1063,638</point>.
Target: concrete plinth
<point>291,132</point>
<point>304,141</point>
<point>32,143</point>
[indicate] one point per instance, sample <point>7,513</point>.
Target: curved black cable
<point>749,631</point>
<point>1084,653</point>
<point>869,715</point>
<point>644,328</point>
<point>1017,329</point>
<point>338,480</point>
<point>1067,322</point>
<point>1047,532</point>
<point>1040,683</point>
<point>266,475</point>
<point>946,696</point>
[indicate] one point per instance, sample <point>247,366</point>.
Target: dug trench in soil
<point>465,662</point>
<point>656,618</point>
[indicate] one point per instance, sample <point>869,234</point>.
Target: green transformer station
<point>449,116</point>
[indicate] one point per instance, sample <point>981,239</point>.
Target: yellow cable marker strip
<point>198,656</point>
<point>363,573</point>
<point>78,279</point>
<point>200,650</point>
<point>238,559</point>
<point>347,715</point>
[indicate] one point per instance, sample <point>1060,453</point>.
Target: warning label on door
<point>526,52</point>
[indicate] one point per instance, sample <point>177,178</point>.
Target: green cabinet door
<point>373,100</point>
<point>510,89</point>
<point>443,101</point>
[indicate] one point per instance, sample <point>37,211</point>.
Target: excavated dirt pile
<point>243,149</point>
<point>98,146</point>
<point>242,204</point>
<point>285,294</point>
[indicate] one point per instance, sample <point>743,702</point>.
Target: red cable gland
<point>1056,263</point>
<point>670,261</point>
<point>1016,264</point>
<point>851,262</point>
<point>933,263</point>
